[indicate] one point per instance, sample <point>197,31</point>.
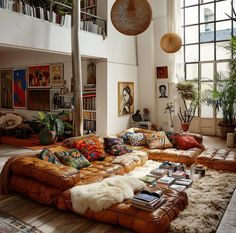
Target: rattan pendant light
<point>131,17</point>
<point>171,42</point>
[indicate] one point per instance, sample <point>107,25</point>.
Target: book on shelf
<point>185,182</point>
<point>165,182</point>
<point>178,187</point>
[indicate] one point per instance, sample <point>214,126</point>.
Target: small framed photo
<point>39,76</point>
<point>55,99</point>
<point>57,75</point>
<point>163,89</point>
<point>162,72</point>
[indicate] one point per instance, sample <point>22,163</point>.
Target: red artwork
<point>39,76</point>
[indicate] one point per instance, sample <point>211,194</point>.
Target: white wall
<point>23,31</point>
<point>117,73</point>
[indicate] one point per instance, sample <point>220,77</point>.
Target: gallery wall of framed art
<point>24,87</point>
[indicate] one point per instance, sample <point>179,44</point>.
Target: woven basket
<point>131,17</point>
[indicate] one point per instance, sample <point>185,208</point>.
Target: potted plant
<point>52,126</point>
<point>223,96</point>
<point>190,99</point>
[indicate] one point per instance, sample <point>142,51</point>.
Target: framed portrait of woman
<point>125,98</point>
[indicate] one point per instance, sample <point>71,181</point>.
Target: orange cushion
<point>91,148</point>
<point>185,142</point>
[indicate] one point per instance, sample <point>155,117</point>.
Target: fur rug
<point>208,199</point>
<point>109,191</point>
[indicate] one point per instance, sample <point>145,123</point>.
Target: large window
<point>206,29</point>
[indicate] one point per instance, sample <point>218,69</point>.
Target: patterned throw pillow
<point>72,158</point>
<point>47,155</point>
<point>109,142</point>
<point>137,139</point>
<point>91,148</point>
<point>120,150</point>
<point>158,140</point>
<point>185,142</point>
<point>124,136</point>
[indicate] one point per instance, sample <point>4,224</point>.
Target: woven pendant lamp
<point>171,42</point>
<point>131,17</point>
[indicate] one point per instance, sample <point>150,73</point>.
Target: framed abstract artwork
<point>162,72</point>
<point>19,88</point>
<point>57,75</point>
<point>125,98</point>
<point>6,88</point>
<point>39,76</point>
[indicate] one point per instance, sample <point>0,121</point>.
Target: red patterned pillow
<point>91,148</point>
<point>185,142</point>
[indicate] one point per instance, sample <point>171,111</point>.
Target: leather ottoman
<point>218,159</point>
<point>175,155</point>
<point>132,218</point>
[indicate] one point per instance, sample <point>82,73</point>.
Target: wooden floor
<point>49,219</point>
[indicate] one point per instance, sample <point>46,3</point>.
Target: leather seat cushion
<point>219,159</point>
<point>58,176</point>
<point>174,155</point>
<point>132,218</point>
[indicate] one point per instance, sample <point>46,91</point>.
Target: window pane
<point>191,53</point>
<point>221,52</point>
<point>207,52</point>
<point>206,111</point>
<point>222,69</point>
<point>223,30</point>
<point>205,1</point>
<point>234,28</point>
<point>191,15</point>
<point>192,71</point>
<point>207,71</point>
<point>223,8</point>
<point>207,32</point>
<point>191,34</point>
<point>207,13</point>
<point>191,2</point>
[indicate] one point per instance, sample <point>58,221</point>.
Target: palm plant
<point>223,96</point>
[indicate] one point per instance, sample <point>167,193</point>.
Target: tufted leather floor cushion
<point>174,155</point>
<point>219,159</point>
<point>132,218</point>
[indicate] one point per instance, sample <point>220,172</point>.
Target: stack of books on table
<point>158,173</point>
<point>165,182</point>
<point>179,175</point>
<point>149,201</point>
<point>184,182</point>
<point>170,166</point>
<point>178,187</point>
<point>149,180</point>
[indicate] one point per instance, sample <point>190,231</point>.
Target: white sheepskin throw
<point>102,195</point>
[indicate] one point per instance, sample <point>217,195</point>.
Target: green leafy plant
<point>53,122</point>
<point>191,100</point>
<point>223,96</point>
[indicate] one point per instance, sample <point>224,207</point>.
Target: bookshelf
<point>89,108</point>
